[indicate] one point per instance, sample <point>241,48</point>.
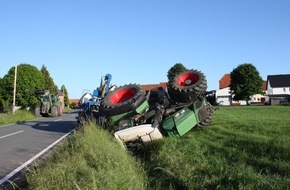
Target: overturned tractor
<point>138,116</point>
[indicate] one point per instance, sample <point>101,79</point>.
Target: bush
<point>4,106</point>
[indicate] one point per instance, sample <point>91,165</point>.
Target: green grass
<point>243,148</point>
<point>90,159</point>
<point>19,115</point>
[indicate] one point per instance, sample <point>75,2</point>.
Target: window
<point>284,89</point>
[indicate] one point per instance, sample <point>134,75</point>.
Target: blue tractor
<point>90,103</point>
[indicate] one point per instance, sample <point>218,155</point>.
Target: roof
<point>279,81</point>
<point>76,101</point>
<point>148,87</point>
<point>60,93</point>
<point>225,81</point>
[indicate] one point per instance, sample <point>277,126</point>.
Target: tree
<point>1,88</point>
<point>245,82</point>
<point>49,84</point>
<point>29,78</point>
<point>4,105</point>
<point>176,69</point>
<point>66,99</point>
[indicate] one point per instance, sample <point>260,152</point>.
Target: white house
<point>278,88</point>
<point>260,98</point>
<point>223,97</point>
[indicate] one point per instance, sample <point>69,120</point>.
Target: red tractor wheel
<point>123,99</point>
<point>187,86</point>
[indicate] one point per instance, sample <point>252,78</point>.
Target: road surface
<point>21,143</point>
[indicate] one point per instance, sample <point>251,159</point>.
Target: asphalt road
<point>22,142</point>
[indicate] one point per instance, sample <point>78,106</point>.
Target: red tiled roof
<point>225,81</point>
<point>74,101</point>
<point>148,87</point>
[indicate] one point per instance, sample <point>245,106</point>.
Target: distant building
<point>278,88</point>
<point>223,95</point>
<point>76,101</point>
<point>260,98</point>
<point>61,97</point>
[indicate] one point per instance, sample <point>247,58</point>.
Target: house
<point>61,97</point>
<point>224,96</point>
<point>73,101</point>
<point>260,98</point>
<point>278,88</point>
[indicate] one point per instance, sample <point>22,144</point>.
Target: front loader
<point>90,103</point>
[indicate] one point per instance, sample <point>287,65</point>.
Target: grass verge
<point>19,115</point>
<point>90,159</point>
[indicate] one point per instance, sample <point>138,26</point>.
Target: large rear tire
<point>187,86</point>
<point>123,99</point>
<point>209,111</point>
<point>60,109</point>
<point>54,111</point>
<point>37,112</point>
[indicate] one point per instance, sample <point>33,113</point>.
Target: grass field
<point>244,148</point>
<point>19,115</point>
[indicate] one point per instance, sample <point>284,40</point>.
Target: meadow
<point>244,147</point>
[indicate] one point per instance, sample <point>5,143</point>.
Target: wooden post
<point>14,91</point>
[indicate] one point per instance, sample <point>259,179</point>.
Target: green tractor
<point>49,104</point>
<point>138,116</point>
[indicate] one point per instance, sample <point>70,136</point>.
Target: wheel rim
<point>122,95</point>
<point>187,79</point>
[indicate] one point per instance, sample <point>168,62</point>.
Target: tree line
<point>29,79</point>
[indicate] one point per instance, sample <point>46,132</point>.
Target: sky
<point>139,41</point>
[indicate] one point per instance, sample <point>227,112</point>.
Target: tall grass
<point>244,148</point>
<point>90,159</point>
<point>19,115</point>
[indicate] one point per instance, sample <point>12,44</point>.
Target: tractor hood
<point>145,132</point>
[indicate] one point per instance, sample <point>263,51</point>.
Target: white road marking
<point>10,134</point>
<point>58,119</point>
<point>32,159</point>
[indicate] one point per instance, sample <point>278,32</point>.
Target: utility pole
<point>14,91</point>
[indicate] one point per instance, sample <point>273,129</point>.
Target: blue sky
<point>139,41</point>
